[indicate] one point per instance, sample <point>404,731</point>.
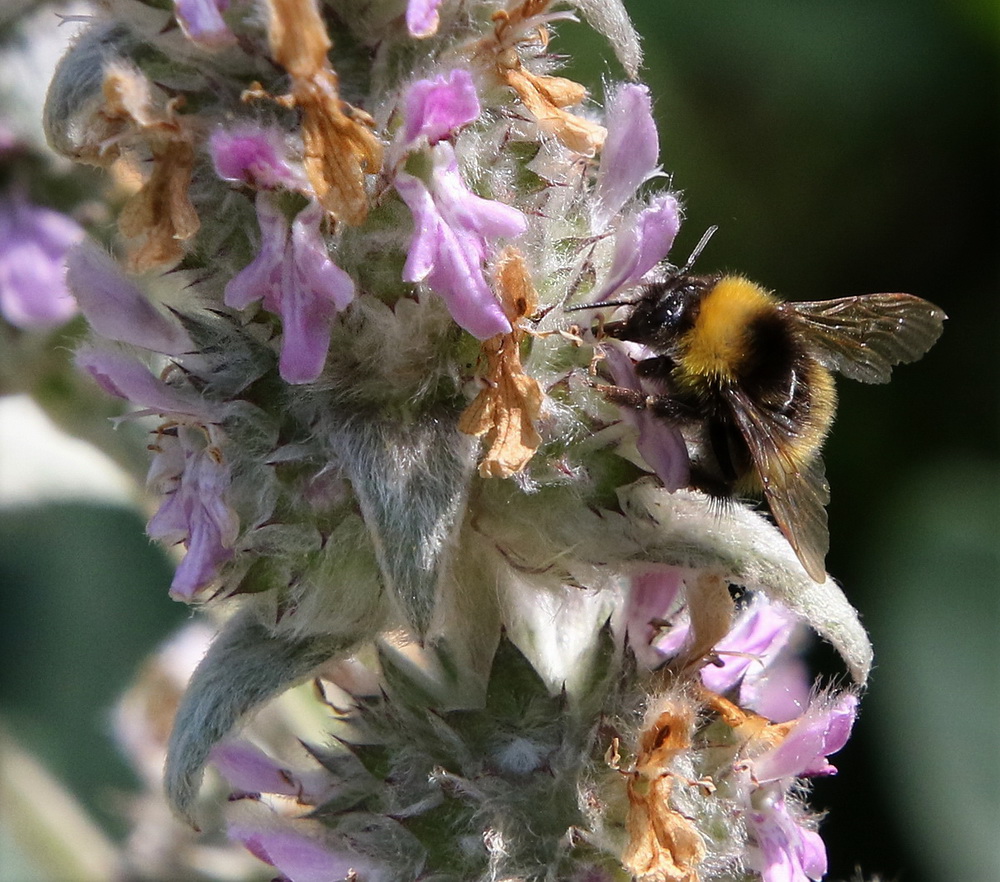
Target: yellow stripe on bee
<point>717,343</point>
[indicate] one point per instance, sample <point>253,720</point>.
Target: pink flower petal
<point>254,155</point>
<point>820,732</point>
<point>126,377</point>
<point>642,241</point>
<point>435,108</point>
<point>630,151</point>
<point>660,442</point>
<point>300,857</point>
<point>246,767</point>
<point>296,279</point>
<point>452,226</point>
<point>450,261</point>
<point>194,511</point>
<point>422,17</point>
<point>203,24</point>
<point>653,596</point>
<point>758,634</point>
<point>33,246</point>
<point>263,274</point>
<point>786,851</point>
<point>115,307</point>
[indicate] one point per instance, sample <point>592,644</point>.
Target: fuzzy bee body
<point>750,378</point>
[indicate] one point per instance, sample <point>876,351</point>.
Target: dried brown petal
<point>542,100</point>
<point>160,217</point>
<point>544,97</point>
<point>340,146</point>
<point>505,411</point>
<point>663,845</point>
<point>298,38</point>
<point>755,733</point>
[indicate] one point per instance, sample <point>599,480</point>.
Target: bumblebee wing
<point>863,337</point>
<point>797,493</point>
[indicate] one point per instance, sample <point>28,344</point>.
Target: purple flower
<point>300,857</point>
<point>435,108</point>
<point>253,155</point>
<point>652,598</point>
<point>629,155</point>
<point>822,730</point>
<point>203,24</point>
<point>187,469</point>
<point>422,17</point>
<point>115,307</point>
<point>449,245</point>
<point>250,770</point>
<point>452,225</point>
<point>296,279</point>
<point>786,850</point>
<point>783,850</point>
<point>752,655</point>
<point>33,246</point>
<point>660,443</point>
<point>194,479</point>
<point>126,377</point>
<point>643,239</point>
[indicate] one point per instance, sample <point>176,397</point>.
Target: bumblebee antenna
<point>702,242</point>
<point>600,305</point>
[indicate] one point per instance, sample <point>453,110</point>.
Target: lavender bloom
<point>299,857</point>
<point>249,769</point>
<point>452,224</point>
<point>642,240</point>
<point>655,597</point>
<point>203,24</point>
<point>784,850</point>
<point>254,155</point>
<point>449,245</point>
<point>788,851</point>
<point>125,377</point>
<point>435,108</point>
<point>115,307</point>
<point>822,730</point>
<point>34,242</point>
<point>187,470</point>
<point>630,151</point>
<point>296,279</point>
<point>642,237</point>
<point>660,443</point>
<point>422,17</point>
<point>755,656</point>
<point>194,510</point>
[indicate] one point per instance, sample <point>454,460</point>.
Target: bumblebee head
<point>664,309</point>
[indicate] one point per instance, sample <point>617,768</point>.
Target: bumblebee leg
<point>626,397</point>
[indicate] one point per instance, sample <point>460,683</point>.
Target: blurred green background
<point>842,148</point>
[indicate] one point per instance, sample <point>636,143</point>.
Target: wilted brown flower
<point>506,409</point>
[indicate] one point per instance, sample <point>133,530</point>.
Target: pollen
<point>718,342</point>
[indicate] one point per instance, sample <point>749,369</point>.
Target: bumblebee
<point>748,379</point>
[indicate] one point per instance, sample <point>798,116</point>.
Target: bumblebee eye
<point>668,310</point>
